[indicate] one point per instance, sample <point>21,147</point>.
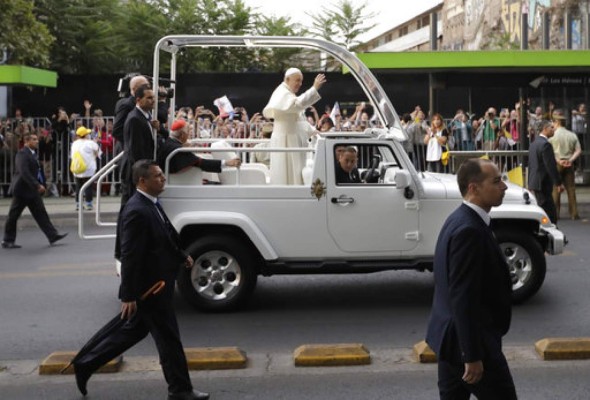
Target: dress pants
<point>160,322</point>
<point>38,211</point>
<point>545,201</point>
<point>496,382</point>
<point>568,177</point>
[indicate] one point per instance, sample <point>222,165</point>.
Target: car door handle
<point>342,200</point>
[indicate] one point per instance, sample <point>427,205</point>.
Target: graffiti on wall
<point>512,11</point>
<point>474,12</point>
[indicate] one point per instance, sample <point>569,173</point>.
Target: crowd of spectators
<point>464,131</point>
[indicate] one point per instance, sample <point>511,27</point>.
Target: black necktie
<point>164,217</point>
<point>39,173</point>
<point>161,211</point>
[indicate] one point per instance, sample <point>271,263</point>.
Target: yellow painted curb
<point>563,348</point>
<point>322,355</point>
<point>423,353</point>
<point>58,360</point>
<point>215,358</point>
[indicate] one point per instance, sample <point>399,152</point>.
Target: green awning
<point>21,75</point>
<point>570,60</point>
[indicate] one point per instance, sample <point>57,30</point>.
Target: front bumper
<point>555,239</point>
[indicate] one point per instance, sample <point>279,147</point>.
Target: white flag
<point>335,112</point>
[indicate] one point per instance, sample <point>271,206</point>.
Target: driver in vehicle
<point>346,167</point>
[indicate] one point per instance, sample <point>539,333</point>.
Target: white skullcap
<point>292,71</point>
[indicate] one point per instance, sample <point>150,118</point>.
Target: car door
<point>371,217</point>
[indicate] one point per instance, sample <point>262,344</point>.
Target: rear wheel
<point>222,276</point>
<point>526,261</point>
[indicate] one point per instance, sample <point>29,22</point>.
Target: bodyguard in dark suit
<point>27,188</point>
<point>543,175</point>
<point>138,137</point>
<point>122,109</point>
<point>471,308</point>
<point>150,252</point>
<point>125,105</point>
<point>181,161</point>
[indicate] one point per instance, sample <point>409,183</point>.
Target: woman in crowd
<point>435,141</point>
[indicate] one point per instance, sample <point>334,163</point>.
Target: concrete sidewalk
<point>62,210</point>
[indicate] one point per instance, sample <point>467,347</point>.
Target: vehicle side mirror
<point>402,179</point>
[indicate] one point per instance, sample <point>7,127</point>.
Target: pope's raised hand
<point>319,81</point>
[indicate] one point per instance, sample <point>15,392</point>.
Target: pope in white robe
<point>291,128</point>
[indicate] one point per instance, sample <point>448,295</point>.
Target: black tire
<point>526,260</point>
<point>223,275</point>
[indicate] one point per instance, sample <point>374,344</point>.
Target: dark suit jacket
<point>122,109</point>
<point>344,177</point>
<point>543,173</point>
<point>24,181</point>
<point>472,296</point>
<point>150,249</point>
<point>138,142</point>
<point>182,160</point>
<point>138,137</point>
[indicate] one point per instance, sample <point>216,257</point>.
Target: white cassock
<point>290,129</point>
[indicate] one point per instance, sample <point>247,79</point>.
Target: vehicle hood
<point>514,193</point>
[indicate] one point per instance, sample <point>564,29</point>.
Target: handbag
<point>444,157</point>
<point>77,166</point>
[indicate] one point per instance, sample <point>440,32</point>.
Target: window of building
<point>402,31</point>
<point>423,22</point>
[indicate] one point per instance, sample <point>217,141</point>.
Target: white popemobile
<point>245,227</point>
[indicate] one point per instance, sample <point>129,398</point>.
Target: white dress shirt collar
<point>150,197</point>
<point>480,211</point>
<point>145,114</point>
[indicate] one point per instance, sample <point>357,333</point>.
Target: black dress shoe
<point>193,395</point>
<point>82,376</point>
<point>59,236</point>
<point>10,245</point>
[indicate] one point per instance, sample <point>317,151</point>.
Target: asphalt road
<point>54,298</point>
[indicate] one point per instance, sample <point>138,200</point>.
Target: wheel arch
<point>524,225</point>
<point>196,225</point>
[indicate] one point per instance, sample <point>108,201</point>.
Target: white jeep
<point>246,226</point>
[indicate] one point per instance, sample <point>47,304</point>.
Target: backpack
<point>77,166</point>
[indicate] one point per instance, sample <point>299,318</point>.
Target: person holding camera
<point>489,125</point>
<point>124,106</point>
<point>60,126</point>
<point>416,130</point>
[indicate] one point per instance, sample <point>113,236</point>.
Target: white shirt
<point>89,150</point>
<point>149,196</point>
<point>480,211</point>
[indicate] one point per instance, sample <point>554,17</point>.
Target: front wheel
<point>526,261</point>
<point>222,276</point>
